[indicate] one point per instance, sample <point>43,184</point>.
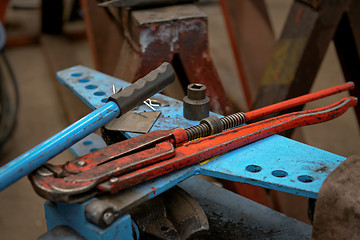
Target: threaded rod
<point>204,129</point>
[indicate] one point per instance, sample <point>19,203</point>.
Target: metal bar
<point>119,103</point>
<point>294,102</point>
<point>33,159</point>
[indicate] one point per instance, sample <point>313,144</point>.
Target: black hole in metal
<point>196,86</point>
<point>279,173</point>
<point>76,74</point>
<point>84,80</point>
<point>90,87</point>
<point>253,168</point>
<point>305,179</point>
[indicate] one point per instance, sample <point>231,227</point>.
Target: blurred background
<point>45,107</point>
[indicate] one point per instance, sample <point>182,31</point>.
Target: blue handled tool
<point>117,105</point>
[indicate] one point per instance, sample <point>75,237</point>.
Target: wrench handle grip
<point>145,87</point>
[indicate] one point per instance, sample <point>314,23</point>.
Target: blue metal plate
<point>90,143</point>
<point>90,86</point>
<point>275,162</point>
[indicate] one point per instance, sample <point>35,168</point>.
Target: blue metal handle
<point>34,158</point>
<point>119,103</point>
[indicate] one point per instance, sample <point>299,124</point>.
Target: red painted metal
<point>294,102</point>
<point>3,7</point>
<point>176,34</point>
<point>197,151</point>
<point>136,160</point>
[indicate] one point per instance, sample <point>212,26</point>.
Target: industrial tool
<point>196,103</point>
<point>117,105</point>
<point>145,157</point>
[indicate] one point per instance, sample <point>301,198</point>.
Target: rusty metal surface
<point>232,216</point>
<point>176,33</point>
<point>171,215</point>
<point>79,173</point>
<point>337,210</point>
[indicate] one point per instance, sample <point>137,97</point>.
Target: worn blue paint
<point>37,156</point>
<point>273,154</point>
<point>72,215</point>
<point>96,86</point>
<point>171,116</point>
<point>88,144</point>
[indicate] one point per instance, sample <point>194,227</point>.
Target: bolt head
<point>114,180</point>
<point>108,218</point>
<point>196,91</point>
<point>80,163</point>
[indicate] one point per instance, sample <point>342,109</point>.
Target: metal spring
<point>203,130</point>
<point>198,131</point>
<point>232,120</point>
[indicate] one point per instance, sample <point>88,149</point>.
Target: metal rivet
<point>80,163</point>
<point>113,180</point>
<point>108,218</point>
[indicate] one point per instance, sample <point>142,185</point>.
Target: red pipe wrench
<point>139,159</point>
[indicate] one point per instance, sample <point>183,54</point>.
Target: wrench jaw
<point>48,188</point>
<point>77,180</point>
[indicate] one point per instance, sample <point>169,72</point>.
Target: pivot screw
<point>108,218</point>
<point>114,180</point>
<point>80,163</point>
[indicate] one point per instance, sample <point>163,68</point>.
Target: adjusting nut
<point>196,103</point>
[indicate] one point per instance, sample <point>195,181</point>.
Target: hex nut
<point>196,103</point>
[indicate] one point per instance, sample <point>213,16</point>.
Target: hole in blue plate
<point>253,168</point>
<point>76,74</point>
<point>93,149</point>
<point>305,178</point>
<point>91,87</point>
<point>87,142</point>
<point>99,93</point>
<point>279,173</point>
<point>104,100</point>
<point>83,80</point>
